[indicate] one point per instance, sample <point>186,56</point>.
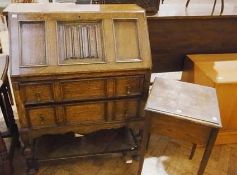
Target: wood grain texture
<point>168,115</point>
<point>126,51</point>
<point>32,44</point>
<point>106,46</point>
<point>184,101</point>
<point>172,38</point>
<point>88,95</point>
<point>80,42</point>
<point>218,71</point>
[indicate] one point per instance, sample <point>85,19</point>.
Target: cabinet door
<point>85,112</point>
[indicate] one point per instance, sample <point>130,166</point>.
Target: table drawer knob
<point>42,119</point>
<point>128,90</point>
<point>38,96</point>
<point>125,113</point>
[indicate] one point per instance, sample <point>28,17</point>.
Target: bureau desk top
<point>64,38</point>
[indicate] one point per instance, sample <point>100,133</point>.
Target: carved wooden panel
<point>32,43</point>
<point>80,42</point>
<point>126,39</point>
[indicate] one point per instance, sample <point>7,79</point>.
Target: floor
<point>165,157</point>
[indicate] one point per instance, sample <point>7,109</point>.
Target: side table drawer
<point>83,89</point>
<point>128,86</point>
<point>37,92</point>
<point>85,112</point>
<point>41,117</point>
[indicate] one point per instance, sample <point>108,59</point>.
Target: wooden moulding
<point>32,43</point>
<point>127,49</point>
<point>80,42</point>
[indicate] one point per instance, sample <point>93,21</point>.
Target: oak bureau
<point>77,68</point>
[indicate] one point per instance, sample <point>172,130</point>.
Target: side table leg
<point>208,150</point>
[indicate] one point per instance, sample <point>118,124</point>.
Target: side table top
<point>185,101</point>
<point>220,68</point>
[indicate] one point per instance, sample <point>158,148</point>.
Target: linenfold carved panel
<point>80,42</point>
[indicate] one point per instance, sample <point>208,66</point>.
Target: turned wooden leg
<point>28,154</point>
<point>30,162</point>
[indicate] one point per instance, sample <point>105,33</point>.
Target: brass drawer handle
<point>38,96</point>
<point>125,113</point>
<point>42,119</point>
<point>128,90</point>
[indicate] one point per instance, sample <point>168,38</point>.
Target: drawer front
<point>42,117</point>
<point>83,89</point>
<point>128,86</point>
<point>37,92</point>
<point>85,112</point>
<point>126,109</point>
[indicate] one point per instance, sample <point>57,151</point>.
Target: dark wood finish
<point>5,165</point>
<point>50,147</point>
<point>87,95</point>
<point>173,35</point>
<point>6,109</point>
<point>194,147</point>
<point>151,6</point>
<point>184,111</point>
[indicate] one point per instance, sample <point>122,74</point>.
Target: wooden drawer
<point>129,86</point>
<point>85,112</point>
<point>37,92</point>
<point>83,89</point>
<point>126,109</point>
<point>41,117</point>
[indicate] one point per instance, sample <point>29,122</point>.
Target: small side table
<point>183,111</point>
